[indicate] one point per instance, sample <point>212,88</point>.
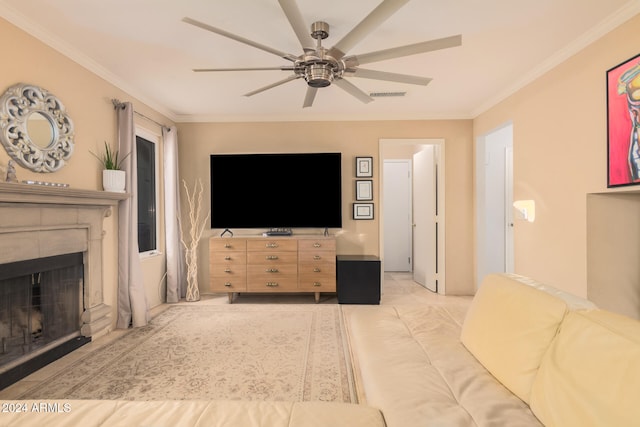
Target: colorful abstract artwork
<point>623,123</point>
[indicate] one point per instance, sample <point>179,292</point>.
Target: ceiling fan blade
<point>392,77</point>
<point>310,96</point>
<point>366,26</point>
<point>286,68</point>
<point>240,39</point>
<point>291,10</point>
<point>353,90</point>
<point>272,85</point>
<point>397,52</point>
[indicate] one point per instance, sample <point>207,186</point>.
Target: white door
<point>508,197</point>
<point>494,180</point>
<point>425,250</point>
<point>397,215</point>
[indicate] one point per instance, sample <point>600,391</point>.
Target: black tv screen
<point>276,190</point>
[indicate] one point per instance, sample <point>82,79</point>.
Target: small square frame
<point>363,211</point>
<point>364,189</point>
<point>364,167</point>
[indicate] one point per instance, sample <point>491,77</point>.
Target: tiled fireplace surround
<point>38,221</point>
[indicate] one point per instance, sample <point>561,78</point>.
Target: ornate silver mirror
<point>34,128</point>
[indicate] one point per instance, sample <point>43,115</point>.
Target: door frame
<point>440,190</point>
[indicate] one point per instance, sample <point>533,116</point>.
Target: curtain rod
<point>117,104</point>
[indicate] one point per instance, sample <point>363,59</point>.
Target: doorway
<point>494,200</point>
<point>412,223</point>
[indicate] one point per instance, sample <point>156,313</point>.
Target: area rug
<point>290,352</point>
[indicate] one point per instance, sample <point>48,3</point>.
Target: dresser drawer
<point>269,257</point>
<point>272,269</point>
<point>272,245</point>
<point>226,244</point>
<point>228,269</point>
<point>228,283</point>
<point>316,245</point>
<point>317,282</point>
<point>317,268</point>
<point>234,258</point>
<point>317,256</point>
<point>272,283</point>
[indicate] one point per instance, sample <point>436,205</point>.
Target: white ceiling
<point>143,47</point>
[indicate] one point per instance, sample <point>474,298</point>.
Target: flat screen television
<point>291,190</point>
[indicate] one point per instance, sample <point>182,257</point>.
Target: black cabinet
<point>358,279</point>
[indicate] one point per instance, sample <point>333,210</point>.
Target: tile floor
<point>397,289</point>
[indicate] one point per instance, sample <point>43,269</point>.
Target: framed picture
<point>364,167</point>
<point>364,189</point>
<point>623,123</point>
<point>363,211</point>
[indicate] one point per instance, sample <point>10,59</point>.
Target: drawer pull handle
<point>316,270</point>
<point>228,284</point>
<point>227,245</point>
<point>227,258</point>
<point>272,284</point>
<point>271,245</point>
<point>227,270</point>
<point>317,284</point>
<point>271,257</point>
<point>316,245</point>
<point>271,270</point>
<point>317,257</point>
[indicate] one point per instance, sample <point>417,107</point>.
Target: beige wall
<point>198,140</point>
<point>559,147</point>
<point>87,99</point>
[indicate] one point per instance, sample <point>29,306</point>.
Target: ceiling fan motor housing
<point>318,75</point>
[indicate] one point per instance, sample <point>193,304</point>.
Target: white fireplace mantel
<point>40,221</point>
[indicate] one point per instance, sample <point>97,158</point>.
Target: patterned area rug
<point>241,352</point>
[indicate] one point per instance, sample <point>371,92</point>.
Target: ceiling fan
<point>321,67</point>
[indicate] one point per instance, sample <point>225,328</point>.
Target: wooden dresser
<point>293,264</point>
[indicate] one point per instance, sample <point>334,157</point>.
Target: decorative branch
<point>196,228</point>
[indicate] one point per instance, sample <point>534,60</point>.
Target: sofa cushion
<point>591,374</point>
<point>410,363</point>
<point>508,327</point>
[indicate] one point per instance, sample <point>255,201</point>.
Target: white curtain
<point>176,288</point>
<point>133,309</point>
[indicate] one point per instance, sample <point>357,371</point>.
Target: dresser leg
<point>230,295</point>
<point>317,297</point>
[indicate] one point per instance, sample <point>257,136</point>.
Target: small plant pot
<point>113,180</point>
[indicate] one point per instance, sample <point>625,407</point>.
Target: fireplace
<point>51,288</point>
<point>40,312</point>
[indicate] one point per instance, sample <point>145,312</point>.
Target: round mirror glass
<point>40,129</point>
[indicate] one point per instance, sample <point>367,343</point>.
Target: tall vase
<point>113,180</point>
<point>193,293</point>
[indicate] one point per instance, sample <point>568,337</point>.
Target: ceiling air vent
<point>386,94</point>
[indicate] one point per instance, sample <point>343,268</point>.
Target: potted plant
<point>113,178</point>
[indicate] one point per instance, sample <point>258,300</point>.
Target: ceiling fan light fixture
<point>318,75</point>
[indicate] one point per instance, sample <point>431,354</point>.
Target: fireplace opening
<point>40,313</point>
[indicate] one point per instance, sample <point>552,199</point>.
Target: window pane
<point>146,194</point>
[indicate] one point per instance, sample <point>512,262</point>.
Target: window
<point>147,218</point>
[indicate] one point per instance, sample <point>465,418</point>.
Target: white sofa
<point>187,413</point>
<point>523,354</point>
